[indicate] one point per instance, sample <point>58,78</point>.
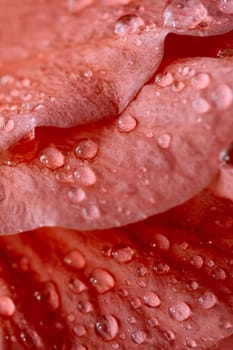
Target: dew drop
<point>219,274</point>
<point>228,52</point>
<point>107,327</point>
<point>123,254</point>
<point>52,158</point>
<point>161,241</point>
<point>79,330</point>
<point>193,285</point>
<point>135,302</point>
<point>191,343</point>
<point>183,245</point>
<point>77,286</point>
<point>138,337</point>
<point>161,268</point>
<point>9,126</point>
<point>222,96</point>
<point>183,14</point>
<point>207,300</point>
<point>178,86</point>
<point>84,175</point>
<point>169,335</point>
<point>131,320</point>
<point>7,306</point>
<point>128,24</point>
<point>75,259</point>
<point>164,140</point>
<point>76,195</point>
<point>164,79</point>
<point>91,212</point>
<point>226,6</point>
<point>51,295</point>
<point>102,280</point>
<point>197,261</point>
<point>30,338</point>
<point>152,322</point>
<point>200,81</point>
<point>86,149</point>
<point>151,299</point>
<point>126,123</point>
<point>200,105</point>
<point>85,307</point>
<point>180,311</point>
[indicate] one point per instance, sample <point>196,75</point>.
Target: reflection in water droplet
<point>200,105</point>
<point>76,195</point>
<point>126,123</point>
<point>52,158</point>
<point>86,149</point>
<point>197,261</point>
<point>151,299</point>
<point>164,79</point>
<point>222,96</point>
<point>123,254</point>
<point>180,311</point>
<point>102,280</point>
<point>191,343</point>
<point>75,259</point>
<point>84,175</point>
<point>200,81</point>
<point>138,337</point>
<point>107,327</point>
<point>7,306</point>
<point>91,212</point>
<point>164,140</point>
<point>128,24</point>
<point>183,14</point>
<point>226,6</point>
<point>207,300</point>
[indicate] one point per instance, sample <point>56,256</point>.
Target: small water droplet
<point>164,79</point>
<point>161,241</point>
<point>169,335</point>
<point>76,195</point>
<point>138,337</point>
<point>200,81</point>
<point>219,274</point>
<point>183,14</point>
<point>7,306</point>
<point>52,158</point>
<point>75,259</point>
<point>126,123</point>
<point>226,6</point>
<point>131,320</point>
<point>200,105</point>
<point>151,299</point>
<point>84,175</point>
<point>152,322</point>
<point>180,311</point>
<point>102,280</point>
<point>9,125</point>
<point>164,140</point>
<point>161,268</point>
<point>30,338</point>
<point>128,24</point>
<point>207,300</point>
<point>193,285</point>
<point>222,96</point>
<point>107,327</point>
<point>79,330</point>
<point>178,86</point>
<point>197,261</point>
<point>183,245</point>
<point>135,302</point>
<point>123,254</point>
<point>77,286</point>
<point>86,149</point>
<point>191,343</point>
<point>85,307</point>
<point>91,212</point>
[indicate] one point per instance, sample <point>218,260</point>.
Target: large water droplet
<point>183,14</point>
<point>164,79</point>
<point>123,254</point>
<point>126,123</point>
<point>197,261</point>
<point>102,280</point>
<point>76,195</point>
<point>75,259</point>
<point>86,149</point>
<point>107,327</point>
<point>222,96</point>
<point>128,24</point>
<point>84,175</point>
<point>52,158</point>
<point>180,311</point>
<point>161,241</point>
<point>7,306</point>
<point>91,212</point>
<point>138,337</point>
<point>200,105</point>
<point>226,6</point>
<point>164,140</point>
<point>200,81</point>
<point>207,300</point>
<point>151,299</point>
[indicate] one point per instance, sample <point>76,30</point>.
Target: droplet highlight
<point>102,280</point>
<point>75,259</point>
<point>86,149</point>
<point>126,123</point>
<point>52,158</point>
<point>107,327</point>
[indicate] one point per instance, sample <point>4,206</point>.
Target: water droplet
<point>86,149</point>
<point>226,6</point>
<point>52,158</point>
<point>200,105</point>
<point>102,280</point>
<point>151,299</point>
<point>77,286</point>
<point>79,330</point>
<point>107,327</point>
<point>50,295</point>
<point>91,212</point>
<point>123,254</point>
<point>197,261</point>
<point>128,24</point>
<point>85,307</point>
<point>164,140</point>
<point>183,14</point>
<point>161,241</point>
<point>138,337</point>
<point>178,86</point>
<point>219,274</point>
<point>9,125</point>
<point>142,271</point>
<point>126,123</point>
<point>131,320</point>
<point>228,52</point>
<point>164,79</point>
<point>84,175</point>
<point>152,322</point>
<point>207,300</point>
<point>161,268</point>
<point>30,338</point>
<point>75,259</point>
<point>183,245</point>
<point>180,311</point>
<point>222,96</point>
<point>135,302</point>
<point>169,335</point>
<point>76,195</point>
<point>200,81</point>
<point>191,343</point>
<point>7,306</point>
<point>193,285</point>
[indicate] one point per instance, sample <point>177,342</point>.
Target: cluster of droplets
<point>128,24</point>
